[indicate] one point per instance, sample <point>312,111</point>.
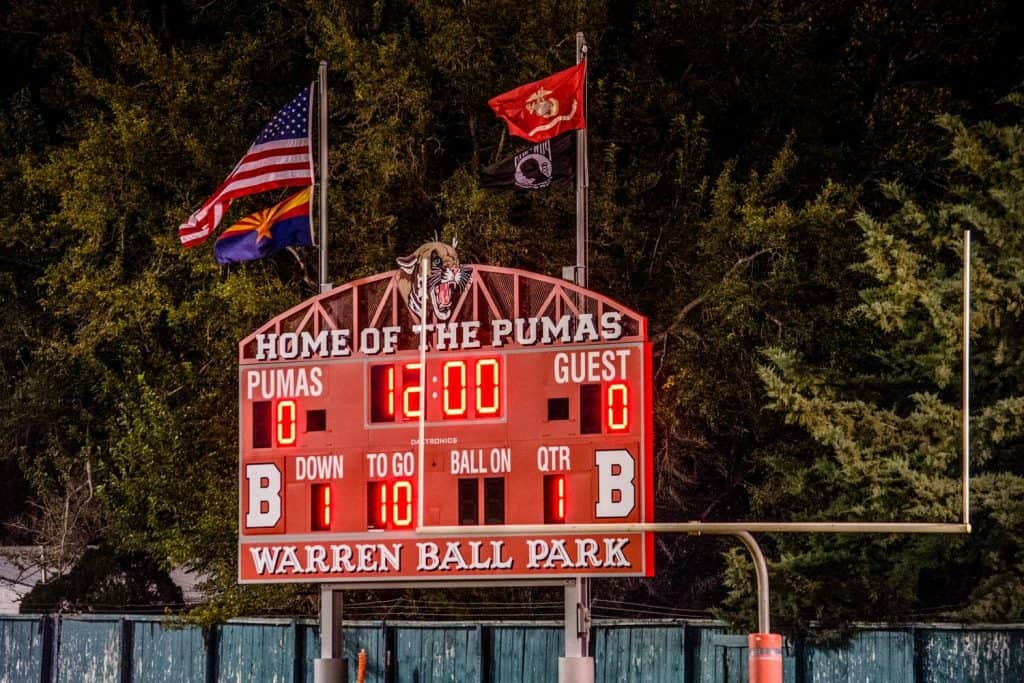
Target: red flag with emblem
<point>543,109</point>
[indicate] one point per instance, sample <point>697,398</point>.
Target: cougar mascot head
<point>446,278</point>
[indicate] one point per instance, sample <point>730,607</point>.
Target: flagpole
<point>582,182</point>
<point>325,286</point>
<point>577,665</point>
<point>331,666</point>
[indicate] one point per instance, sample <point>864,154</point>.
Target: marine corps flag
<point>545,108</point>
<point>535,167</point>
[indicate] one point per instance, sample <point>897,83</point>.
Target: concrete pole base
<point>330,671</point>
<point>575,670</point>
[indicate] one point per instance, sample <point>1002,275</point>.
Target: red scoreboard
<point>516,399</point>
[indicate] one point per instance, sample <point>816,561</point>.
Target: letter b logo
<point>264,496</point>
<point>616,485</point>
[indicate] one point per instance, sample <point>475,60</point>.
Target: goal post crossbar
<point>697,528</point>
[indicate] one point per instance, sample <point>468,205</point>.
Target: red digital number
<point>320,495</point>
<point>453,377</point>
<point>401,504</point>
<point>286,423</point>
<point>390,504</point>
<point>382,393</point>
<point>618,407</point>
<point>554,498</point>
<point>412,399</point>
<point>488,387</point>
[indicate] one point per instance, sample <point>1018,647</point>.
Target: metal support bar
<point>572,636</point>
<point>705,528</point>
<point>576,666</point>
<point>583,615</point>
<point>330,667</point>
<point>331,605</point>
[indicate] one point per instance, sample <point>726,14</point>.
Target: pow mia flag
<point>535,167</point>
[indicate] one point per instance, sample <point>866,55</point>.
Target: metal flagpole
<point>331,666</point>
<point>325,286</point>
<point>576,666</point>
<point>582,182</point>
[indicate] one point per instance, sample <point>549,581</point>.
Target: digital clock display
<point>457,389</point>
<point>530,404</point>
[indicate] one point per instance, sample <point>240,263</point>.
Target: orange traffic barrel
<point>765,658</point>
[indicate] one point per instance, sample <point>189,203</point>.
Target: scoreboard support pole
<point>331,667</point>
<point>576,666</point>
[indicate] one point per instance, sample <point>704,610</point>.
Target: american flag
<point>280,156</point>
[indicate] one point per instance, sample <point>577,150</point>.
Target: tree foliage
<point>736,154</point>
<point>887,421</point>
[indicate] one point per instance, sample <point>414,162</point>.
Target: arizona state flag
<point>545,108</point>
<point>535,167</point>
<point>267,232</point>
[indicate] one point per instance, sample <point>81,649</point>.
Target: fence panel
<point>256,651</point>
<point>524,653</point>
<point>21,648</point>
<point>373,639</point>
<point>162,653</point>
<point>869,656</point>
<point>437,653</point>
<point>633,653</point>
<point>705,650</point>
<point>728,658</point>
<point>89,650</point>
<point>980,656</point>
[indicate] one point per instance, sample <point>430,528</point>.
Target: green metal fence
<point>126,649</point>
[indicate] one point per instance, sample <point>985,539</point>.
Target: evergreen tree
<point>885,418</point>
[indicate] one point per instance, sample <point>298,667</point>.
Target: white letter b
<point>616,491</point>
<point>264,496</point>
